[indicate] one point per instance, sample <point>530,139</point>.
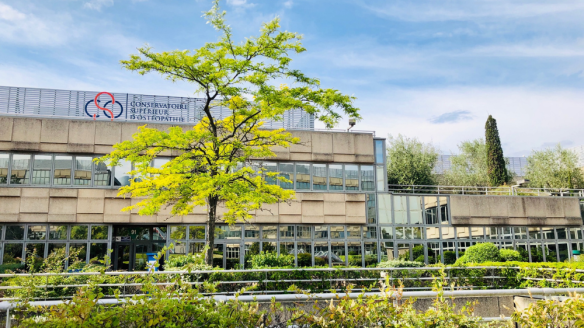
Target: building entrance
<point>132,243</point>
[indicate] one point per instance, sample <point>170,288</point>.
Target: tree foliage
<point>554,168</point>
<point>469,167</point>
<point>496,170</point>
<point>410,162</point>
<point>212,165</point>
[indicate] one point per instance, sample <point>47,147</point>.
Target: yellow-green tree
<point>213,166</point>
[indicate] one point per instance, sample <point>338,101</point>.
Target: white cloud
<point>27,28</point>
<point>288,4</point>
<point>98,4</point>
<point>240,3</point>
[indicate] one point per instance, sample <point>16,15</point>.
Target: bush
<point>271,259</point>
<point>482,252</point>
<point>399,264</point>
<point>449,257</point>
<point>304,260</point>
<point>319,261</point>
<point>510,255</point>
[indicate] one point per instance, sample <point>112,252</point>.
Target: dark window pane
<point>58,249</point>
<point>12,253</point>
<point>367,178</point>
<point>99,232</point>
<point>37,251</point>
<point>252,232</point>
<point>58,232</point>
<point>197,232</point>
<point>15,232</point>
<point>77,252</point>
<point>102,175</point>
<point>159,233</point>
<point>78,232</point>
<point>97,253</point>
<point>371,209</point>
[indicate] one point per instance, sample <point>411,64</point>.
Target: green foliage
<point>469,167</point>
<point>449,257</point>
<point>214,166</point>
<point>410,162</point>
<point>479,253</point>
<point>554,168</point>
<point>304,260</point>
<point>552,313</point>
<point>399,264</point>
<point>271,259</point>
<point>496,170</point>
<point>508,255</point>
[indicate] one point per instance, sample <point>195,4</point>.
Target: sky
<point>433,70</point>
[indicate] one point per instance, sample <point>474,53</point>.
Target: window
<point>178,232</point>
<point>416,209</point>
<point>121,175</point>
<point>41,169</point>
<point>287,232</point>
<point>352,177</point>
<point>367,178</point>
<point>321,232</point>
<point>443,209</point>
<point>381,178</point>
<point>337,232</point>
<point>431,209</point>
<point>97,253</point>
<point>302,176</point>
<point>303,232</point>
<point>287,248</point>
<point>62,173</point>
<point>400,209</point>
<point>196,232</point>
<point>520,233</point>
<point>4,159</point>
<point>433,233</point>
<point>15,232</point>
<point>371,209</point>
<point>82,171</point>
<point>227,232</point>
<point>319,181</point>
<point>20,169</point>
<point>99,232</point>
<point>379,153</point>
<point>79,232</point>
<point>287,172</point>
<point>386,233</point>
<point>252,232</point>
<point>103,175</point>
<point>353,232</point>
<point>37,232</point>
<point>270,168</point>
<point>575,233</point>
<point>370,232</point>
<point>384,208</point>
<point>13,253</point>
<point>58,232</point>
<point>270,232</point>
<point>478,232</point>
<point>335,177</point>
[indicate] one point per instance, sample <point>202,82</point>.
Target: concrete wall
<point>97,137</point>
<point>515,210</point>
<point>38,205</point>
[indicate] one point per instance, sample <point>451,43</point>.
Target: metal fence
<point>123,107</point>
<point>489,191</point>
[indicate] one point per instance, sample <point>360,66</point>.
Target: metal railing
<point>480,190</point>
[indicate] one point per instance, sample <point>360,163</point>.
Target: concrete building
<point>53,196</point>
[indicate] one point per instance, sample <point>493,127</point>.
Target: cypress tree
<point>496,170</point>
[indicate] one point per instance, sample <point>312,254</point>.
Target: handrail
<point>485,190</point>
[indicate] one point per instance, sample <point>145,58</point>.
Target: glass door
<point>140,256</point>
<point>122,257</point>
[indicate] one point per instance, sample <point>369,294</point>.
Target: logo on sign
<point>111,108</point>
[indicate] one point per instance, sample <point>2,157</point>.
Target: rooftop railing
<point>487,191</point>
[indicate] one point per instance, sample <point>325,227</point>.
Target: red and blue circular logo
<point>111,108</point>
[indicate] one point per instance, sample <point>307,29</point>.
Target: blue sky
<point>428,69</point>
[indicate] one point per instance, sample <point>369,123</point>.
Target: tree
<point>213,167</point>
<point>554,168</point>
<point>496,170</point>
<point>469,168</point>
<point>410,162</point>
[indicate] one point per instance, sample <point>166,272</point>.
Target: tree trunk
<point>210,234</point>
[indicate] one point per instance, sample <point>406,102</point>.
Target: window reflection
<point>83,171</point>
<point>62,173</point>
<point>20,173</point>
<point>319,177</point>
<point>122,176</point>
<point>335,177</point>
<point>351,177</point>
<point>302,176</point>
<point>41,174</point>
<point>103,175</point>
<point>287,172</point>
<point>367,178</point>
<point>4,159</point>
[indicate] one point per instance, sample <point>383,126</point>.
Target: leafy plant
<point>271,259</point>
<point>410,162</point>
<point>510,255</point>
<point>479,253</point>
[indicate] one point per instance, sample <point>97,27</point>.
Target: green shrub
<point>420,259</point>
<point>304,260</point>
<point>399,264</point>
<point>482,252</point>
<point>271,259</point>
<point>319,261</point>
<point>510,255</point>
<point>449,257</point>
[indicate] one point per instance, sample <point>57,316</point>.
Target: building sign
<point>123,107</point>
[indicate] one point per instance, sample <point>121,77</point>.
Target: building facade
<point>53,196</point>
